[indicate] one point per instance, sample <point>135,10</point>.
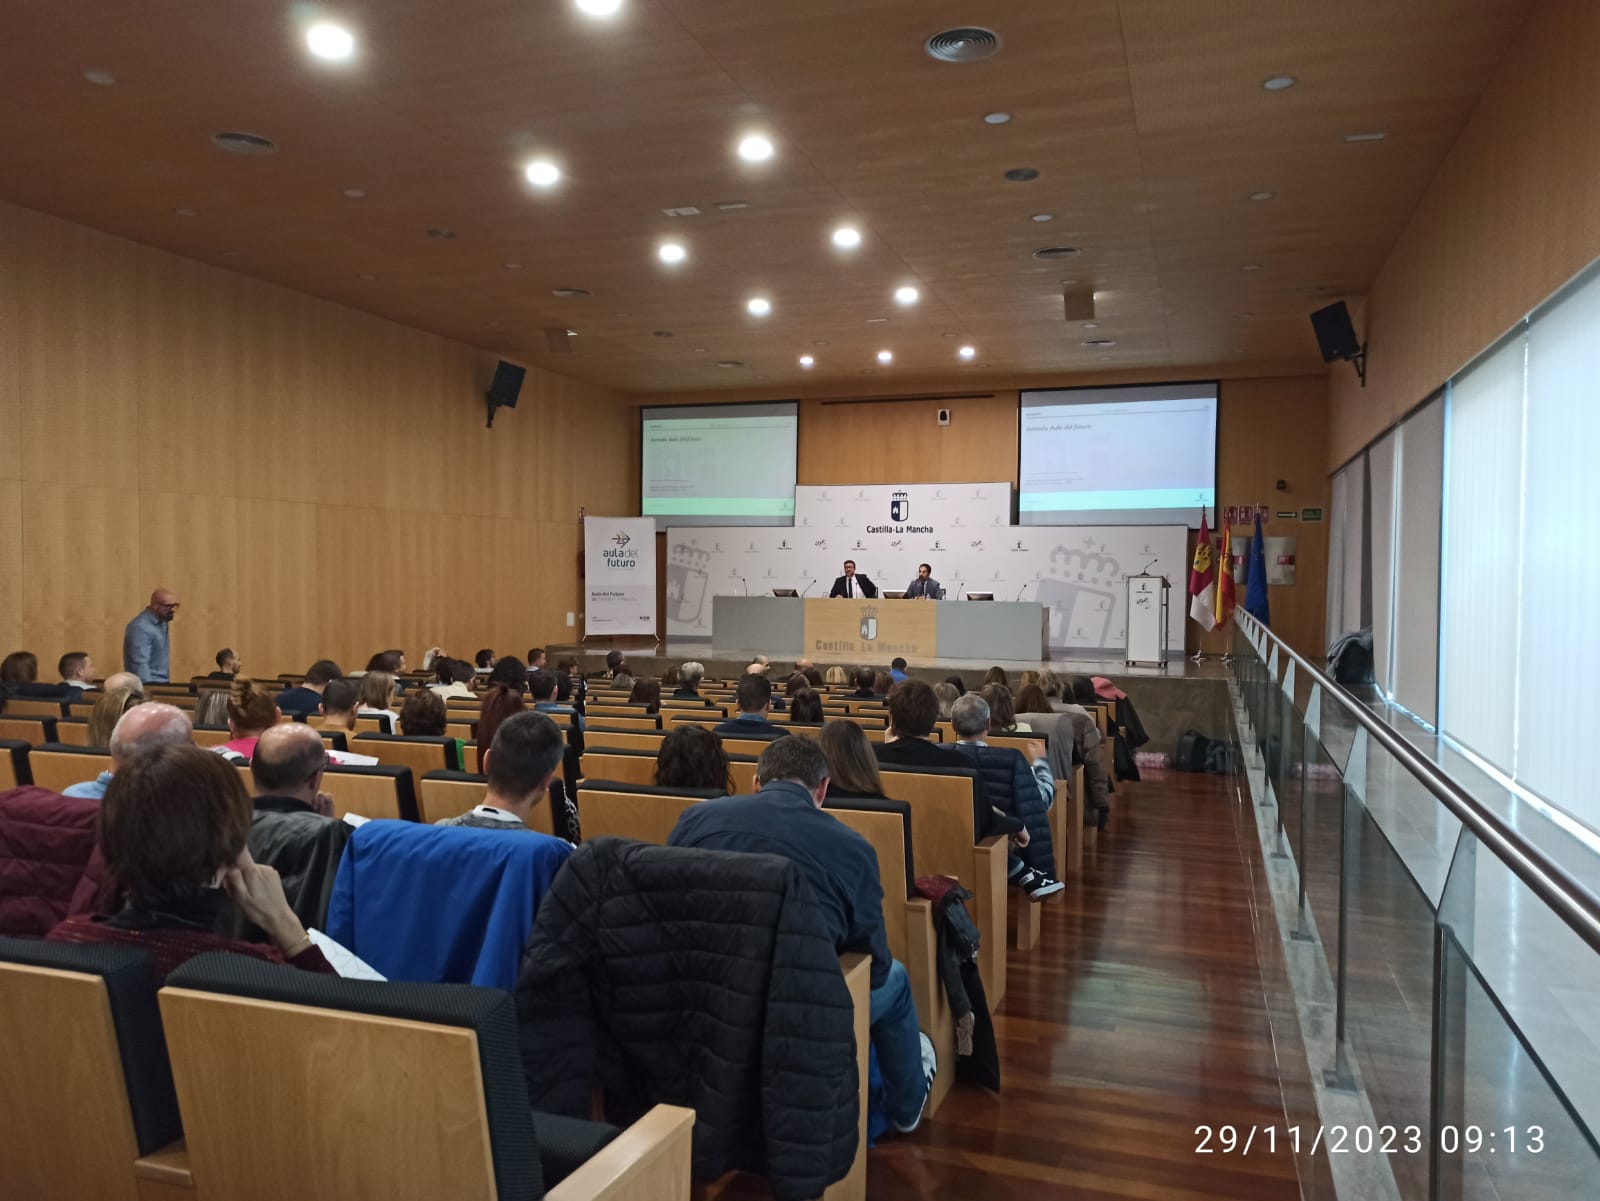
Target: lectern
<point>1147,620</point>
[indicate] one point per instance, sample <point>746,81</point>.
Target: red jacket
<point>50,866</point>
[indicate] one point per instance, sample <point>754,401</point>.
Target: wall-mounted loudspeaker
<point>1336,337</point>
<point>505,388</point>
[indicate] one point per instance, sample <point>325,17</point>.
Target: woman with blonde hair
<point>252,711</point>
<point>107,711</point>
<point>836,675</point>
<point>948,695</point>
<point>377,700</point>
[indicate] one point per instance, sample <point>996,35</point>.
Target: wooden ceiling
<point>1146,121</point>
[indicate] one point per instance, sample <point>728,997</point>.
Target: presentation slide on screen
<point>719,464</point>
<point>1143,455</point>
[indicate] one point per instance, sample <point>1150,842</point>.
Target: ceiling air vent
<point>963,45</point>
<point>1050,254</point>
<point>236,142</point>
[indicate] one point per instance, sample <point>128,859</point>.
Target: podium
<point>1147,620</point>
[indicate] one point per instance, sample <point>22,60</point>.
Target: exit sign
<point>1310,514</point>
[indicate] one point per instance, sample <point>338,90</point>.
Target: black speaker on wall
<point>505,388</point>
<point>1336,337</point>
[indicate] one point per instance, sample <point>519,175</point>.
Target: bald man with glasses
<point>147,642</point>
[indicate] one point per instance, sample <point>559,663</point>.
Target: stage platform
<point>1185,696</point>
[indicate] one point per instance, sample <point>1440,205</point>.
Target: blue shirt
<point>147,648</point>
<point>556,707</point>
<point>839,865</point>
<point>897,675</point>
<point>93,790</point>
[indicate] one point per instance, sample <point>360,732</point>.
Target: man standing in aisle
<point>852,586</point>
<point>147,642</point>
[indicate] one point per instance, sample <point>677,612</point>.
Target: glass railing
<point>1459,963</point>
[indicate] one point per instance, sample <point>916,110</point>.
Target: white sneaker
<point>930,1069</point>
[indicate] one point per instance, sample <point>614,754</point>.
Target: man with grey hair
<point>785,818</point>
<point>689,677</point>
<point>1014,786</point>
<point>293,830</point>
<point>142,728</point>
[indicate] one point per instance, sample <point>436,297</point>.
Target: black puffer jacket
<point>1008,780</point>
<point>696,978</point>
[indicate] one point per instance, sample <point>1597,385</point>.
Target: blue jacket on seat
<point>442,904</point>
<point>1013,788</point>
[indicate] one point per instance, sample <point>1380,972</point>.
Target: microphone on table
<point>960,590</point>
<point>807,588</point>
<point>746,584</point>
<point>1023,589</point>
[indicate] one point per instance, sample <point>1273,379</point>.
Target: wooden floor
<point>1140,1016</point>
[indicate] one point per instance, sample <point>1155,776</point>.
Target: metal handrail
<point>1548,880</point>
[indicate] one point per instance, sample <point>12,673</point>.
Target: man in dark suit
<point>755,702</point>
<point>924,587</point>
<point>913,710</point>
<point>853,586</point>
<point>302,700</point>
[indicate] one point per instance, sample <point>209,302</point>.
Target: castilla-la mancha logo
<point>869,624</point>
<point>899,505</point>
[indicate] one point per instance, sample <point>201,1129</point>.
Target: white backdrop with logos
<point>962,530</point>
<point>619,582</point>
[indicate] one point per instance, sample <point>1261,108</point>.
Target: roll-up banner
<point>619,576</point>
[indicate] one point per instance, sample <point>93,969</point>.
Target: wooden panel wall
<point>311,480</point>
<point>1268,428</point>
<point>1507,220</point>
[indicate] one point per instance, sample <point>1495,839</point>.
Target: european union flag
<point>1255,595</point>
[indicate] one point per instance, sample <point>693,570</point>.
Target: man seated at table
<point>755,702</point>
<point>924,587</point>
<point>852,586</point>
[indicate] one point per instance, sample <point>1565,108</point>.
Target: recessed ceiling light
<point>187,212</point>
<point>512,266</point>
<point>907,295</point>
<point>730,363</point>
<point>758,306</point>
<point>1091,325</point>
<point>542,173</point>
<point>732,206</point>
<point>368,276</point>
<point>807,361</point>
<point>968,352</point>
<point>103,78</point>
<point>876,320</point>
<point>231,254</point>
<point>1022,174</point>
<point>847,237</point>
<point>443,234</point>
<point>755,148</point>
<point>356,193</point>
<point>1042,217</point>
<point>1099,343</point>
<point>661,333</point>
<point>570,294</point>
<point>600,8</point>
<point>1376,135</point>
<point>699,350</point>
<point>1262,195</point>
<point>947,334</point>
<point>886,356</point>
<point>687,210</point>
<point>329,41</point>
<point>238,142</point>
<point>671,252</point>
<point>996,118</point>
<point>1279,83</point>
<point>1251,267</point>
<point>820,342</point>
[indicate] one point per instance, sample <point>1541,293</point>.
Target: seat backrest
<point>639,722</point>
<point>887,826</point>
<point>742,770</point>
<point>58,767</point>
<point>420,754</point>
<point>625,740</point>
<point>212,735</point>
<point>24,706</point>
<point>645,813</point>
<point>14,767</point>
<point>72,731</point>
<point>942,804</point>
<point>1018,742</point>
<point>693,717</point>
<point>745,746</point>
<point>452,793</point>
<point>75,1133</point>
<point>381,791</point>
<point>627,766</point>
<point>429,1075</point>
<point>33,730</point>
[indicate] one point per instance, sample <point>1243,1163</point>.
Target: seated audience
<point>1002,711</point>
<point>536,658</point>
<point>377,700</point>
<point>758,665</point>
<point>485,660</point>
<point>431,656</point>
<point>305,698</point>
<point>805,706</point>
<point>852,767</point>
<point>947,695</point>
<point>957,683</point>
<point>835,676</point>
<point>689,677</point>
<point>77,671</point>
<point>125,680</point>
<point>520,763</point>
<point>211,709</point>
<point>570,686</point>
<point>863,679</point>
<point>881,683</point>
<point>393,662</point>
<point>142,728</point>
<point>422,714</point>
<point>542,688</point>
<point>19,676</point>
<point>1026,678</point>
<point>500,702</point>
<point>692,757</point>
<point>107,712</point>
<point>812,675</point>
<point>509,672</point>
<point>174,830</point>
<point>340,700</point>
<point>251,712</point>
<point>669,678</point>
<point>754,696</point>
<point>1016,786</point>
<point>456,677</point>
<point>897,669</point>
<point>646,693</point>
<point>293,829</point>
<point>623,680</point>
<point>995,675</point>
<point>785,818</point>
<point>913,709</point>
<point>614,663</point>
<point>1086,741</point>
<point>228,665</point>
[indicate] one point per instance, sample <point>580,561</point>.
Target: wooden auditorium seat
<point>72,731</point>
<point>612,808</point>
<point>58,767</point>
<point>14,768</point>
<point>212,735</point>
<point>24,706</point>
<point>86,1094</point>
<point>451,793</point>
<point>384,791</point>
<point>640,721</point>
<point>421,753</point>
<point>626,740</point>
<point>358,1089</point>
<point>33,730</point>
